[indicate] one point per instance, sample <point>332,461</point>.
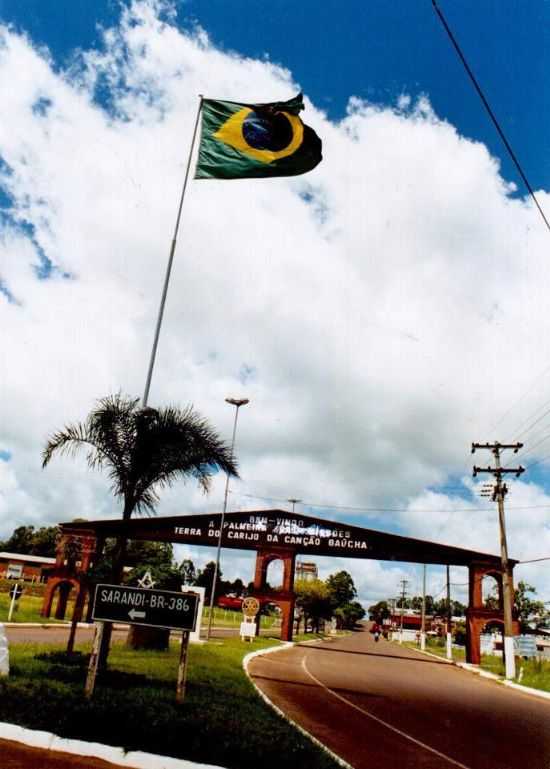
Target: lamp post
<point>237,402</point>
<point>293,502</point>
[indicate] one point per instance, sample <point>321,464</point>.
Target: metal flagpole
<point>170,260</point>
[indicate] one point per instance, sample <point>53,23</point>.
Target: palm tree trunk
<point>118,574</point>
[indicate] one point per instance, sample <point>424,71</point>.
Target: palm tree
<point>143,450</point>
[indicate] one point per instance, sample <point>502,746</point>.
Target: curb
<point>44,624</point>
<point>469,668</point>
<point>518,687</point>
<point>134,759</point>
<point>265,698</point>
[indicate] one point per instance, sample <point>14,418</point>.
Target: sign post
<point>94,661</point>
<point>250,608</point>
<point>4,653</point>
<point>182,668</point>
<point>15,594</point>
<point>143,606</point>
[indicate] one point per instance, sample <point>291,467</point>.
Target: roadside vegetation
<point>533,672</point>
<point>27,609</point>
<point>222,721</point>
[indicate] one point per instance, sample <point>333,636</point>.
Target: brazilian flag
<point>255,140</point>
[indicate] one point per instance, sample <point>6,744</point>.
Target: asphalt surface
<point>382,705</point>
<point>58,634</point>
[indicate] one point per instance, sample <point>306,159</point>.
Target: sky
<point>381,312</point>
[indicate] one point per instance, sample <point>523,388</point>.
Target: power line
<point>520,400</point>
<point>489,111</point>
<point>393,509</point>
<point>535,560</point>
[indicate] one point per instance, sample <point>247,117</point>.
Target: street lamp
<point>237,402</point>
<point>293,502</point>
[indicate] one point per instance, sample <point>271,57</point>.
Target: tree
<point>31,541</point>
<point>349,614</point>
<point>341,588</point>
<point>204,579</point>
<point>314,599</point>
<point>527,609</point>
<point>143,450</point>
<point>379,612</point>
<point>20,541</point>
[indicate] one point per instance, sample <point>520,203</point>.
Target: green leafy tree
<point>314,599</point>
<point>205,578</point>
<point>527,609</point>
<point>379,611</point>
<point>31,541</point>
<point>348,615</point>
<point>341,588</point>
<point>142,450</point>
<point>20,541</point>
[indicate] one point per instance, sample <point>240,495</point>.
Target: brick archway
<point>284,598</point>
<point>477,614</point>
<point>66,576</point>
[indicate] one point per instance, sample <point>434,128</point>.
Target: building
<point>307,571</point>
<point>31,568</point>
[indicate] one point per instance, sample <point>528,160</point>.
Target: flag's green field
<point>222,721</point>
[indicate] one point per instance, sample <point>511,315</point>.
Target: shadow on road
<point>372,654</point>
<point>303,685</point>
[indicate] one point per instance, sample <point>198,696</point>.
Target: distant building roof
<point>27,558</point>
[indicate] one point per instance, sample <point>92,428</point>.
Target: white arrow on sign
<point>133,614</point>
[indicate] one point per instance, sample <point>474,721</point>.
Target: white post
<point>195,635</point>
<point>4,653</point>
<point>12,604</point>
<point>423,629</point>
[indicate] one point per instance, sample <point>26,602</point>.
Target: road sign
<point>145,606</point>
<point>525,646</point>
<point>16,592</point>
<point>251,606</point>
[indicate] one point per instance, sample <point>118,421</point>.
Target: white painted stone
<point>83,748</point>
<point>136,759</point>
<point>4,653</point>
<point>12,732</point>
<point>195,636</point>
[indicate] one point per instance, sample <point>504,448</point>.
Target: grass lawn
<point>223,721</point>
<point>536,673</point>
<point>228,618</point>
<point>27,609</point>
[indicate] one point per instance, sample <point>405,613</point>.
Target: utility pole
<point>404,583</point>
<point>423,626</point>
<point>499,492</point>
<point>449,616</point>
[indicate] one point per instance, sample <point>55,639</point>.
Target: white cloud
<point>388,321</point>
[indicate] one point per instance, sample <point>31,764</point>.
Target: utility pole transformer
<point>499,492</point>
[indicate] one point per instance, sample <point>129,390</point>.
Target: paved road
<point>379,704</point>
<point>58,634</point>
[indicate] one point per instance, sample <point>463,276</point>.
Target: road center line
<point>379,720</point>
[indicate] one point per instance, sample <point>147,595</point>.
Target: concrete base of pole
<point>449,646</point>
<point>423,641</point>
<point>509,659</point>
